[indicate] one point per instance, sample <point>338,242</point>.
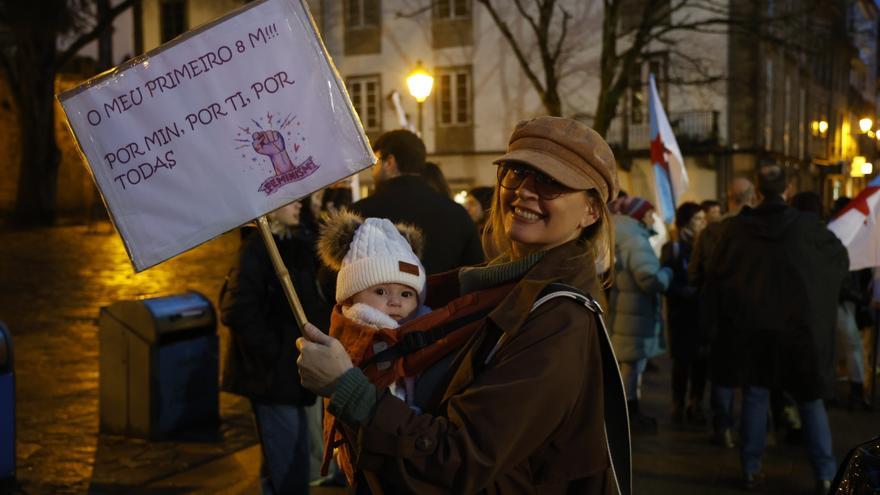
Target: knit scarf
<point>498,271</point>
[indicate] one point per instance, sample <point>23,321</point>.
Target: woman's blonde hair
<point>597,239</point>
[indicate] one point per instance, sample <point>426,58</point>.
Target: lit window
<point>362,13</point>
<point>454,96</point>
<point>452,9</point>
<point>365,93</point>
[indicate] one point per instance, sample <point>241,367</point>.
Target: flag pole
<point>281,271</point>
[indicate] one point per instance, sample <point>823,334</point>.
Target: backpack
<point>425,340</point>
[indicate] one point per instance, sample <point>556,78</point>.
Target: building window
<point>172,15</point>
<point>361,14</point>
<point>768,106</point>
<point>452,9</point>
<point>786,125</point>
<point>365,94</point>
<point>802,122</point>
<point>633,11</point>
<point>638,81</point>
<point>454,96</point>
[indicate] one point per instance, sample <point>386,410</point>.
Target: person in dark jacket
<point>403,196</point>
<point>260,362</point>
<point>771,291</point>
<point>688,342</point>
<point>740,194</point>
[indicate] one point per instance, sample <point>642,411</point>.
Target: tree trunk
<point>35,203</point>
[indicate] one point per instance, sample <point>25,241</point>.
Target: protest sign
<point>216,128</point>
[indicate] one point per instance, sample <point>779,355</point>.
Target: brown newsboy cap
<point>566,150</point>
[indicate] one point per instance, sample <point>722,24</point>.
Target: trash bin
<point>7,411</point>
<point>159,368</point>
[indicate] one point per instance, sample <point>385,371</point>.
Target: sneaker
<point>754,481</point>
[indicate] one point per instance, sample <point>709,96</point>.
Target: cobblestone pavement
<point>52,284</point>
<point>681,459</point>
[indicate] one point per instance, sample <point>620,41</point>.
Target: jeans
<point>631,372</point>
<point>284,439</point>
<point>850,342</point>
<point>817,432</point>
<point>722,408</point>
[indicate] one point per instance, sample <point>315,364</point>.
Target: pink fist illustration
<point>271,144</point>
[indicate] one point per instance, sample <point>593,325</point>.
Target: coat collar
<point>404,181</point>
<point>568,264</point>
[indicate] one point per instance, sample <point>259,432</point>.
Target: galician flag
<point>856,227</point>
<point>670,176</point>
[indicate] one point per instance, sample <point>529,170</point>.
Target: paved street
<point>52,284</point>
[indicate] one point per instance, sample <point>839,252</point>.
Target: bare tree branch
<point>517,51</point>
<point>85,39</point>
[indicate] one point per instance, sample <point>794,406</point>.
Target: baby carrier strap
<point>414,341</point>
<point>616,413</point>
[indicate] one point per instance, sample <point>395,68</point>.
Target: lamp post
<point>420,83</point>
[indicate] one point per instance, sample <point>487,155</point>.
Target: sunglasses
<point>511,175</point>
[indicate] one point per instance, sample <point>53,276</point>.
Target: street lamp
<point>823,127</point>
<point>865,125</point>
<point>420,84</point>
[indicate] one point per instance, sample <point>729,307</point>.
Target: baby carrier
<point>386,355</point>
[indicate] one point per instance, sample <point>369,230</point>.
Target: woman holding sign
<point>526,403</point>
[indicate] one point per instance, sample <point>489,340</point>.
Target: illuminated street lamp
<point>823,127</point>
<point>865,125</point>
<point>420,83</point>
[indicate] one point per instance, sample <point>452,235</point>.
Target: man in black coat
<point>451,238</point>
<point>771,290</point>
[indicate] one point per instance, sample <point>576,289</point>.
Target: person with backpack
<point>688,341</point>
<point>523,406</point>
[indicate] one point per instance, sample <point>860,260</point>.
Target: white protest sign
<point>216,128</point>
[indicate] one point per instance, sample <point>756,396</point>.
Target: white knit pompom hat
<point>378,254</point>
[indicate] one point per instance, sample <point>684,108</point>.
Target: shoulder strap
<point>415,341</point>
<point>616,413</point>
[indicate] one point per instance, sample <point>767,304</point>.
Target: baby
<point>380,281</point>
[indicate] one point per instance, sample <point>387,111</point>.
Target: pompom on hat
<point>369,252</point>
<point>566,150</point>
<point>632,206</point>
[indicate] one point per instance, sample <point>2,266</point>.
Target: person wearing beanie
<point>688,340</point>
<point>523,407</point>
<point>380,280</point>
<point>635,319</point>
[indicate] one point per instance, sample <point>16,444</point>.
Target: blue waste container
<point>7,411</point>
<point>159,368</point>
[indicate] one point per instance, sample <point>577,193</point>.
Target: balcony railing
<point>693,127</point>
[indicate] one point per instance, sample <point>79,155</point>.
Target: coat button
<point>424,444</point>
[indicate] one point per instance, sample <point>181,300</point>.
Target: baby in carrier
<point>380,284</point>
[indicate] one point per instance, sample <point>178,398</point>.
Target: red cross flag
<point>216,128</point>
<point>856,227</point>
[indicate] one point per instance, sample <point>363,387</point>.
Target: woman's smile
<point>526,215</point>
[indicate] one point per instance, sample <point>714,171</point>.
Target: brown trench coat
<point>531,421</point>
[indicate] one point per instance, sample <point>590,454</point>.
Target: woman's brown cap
<point>567,150</point>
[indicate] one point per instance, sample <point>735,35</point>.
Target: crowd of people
<point>520,398</point>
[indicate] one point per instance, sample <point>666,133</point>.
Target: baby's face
<point>395,300</point>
